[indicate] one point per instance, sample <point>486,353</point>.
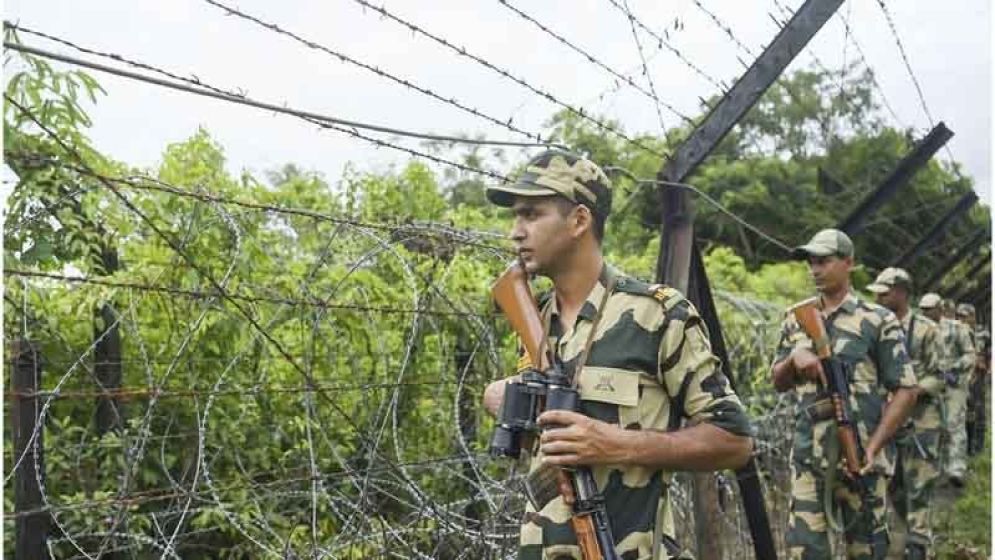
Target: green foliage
<point>244,394</point>
<point>966,529</point>
<point>767,170</point>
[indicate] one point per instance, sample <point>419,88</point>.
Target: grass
<point>966,526</point>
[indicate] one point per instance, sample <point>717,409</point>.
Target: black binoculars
<point>524,401</point>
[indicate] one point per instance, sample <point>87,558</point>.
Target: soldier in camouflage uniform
<point>976,396</point>
<point>918,464</point>
<point>649,365</point>
<point>868,339</point>
<point>957,360</point>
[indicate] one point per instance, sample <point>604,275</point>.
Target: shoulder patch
<point>666,296</point>
<point>662,292</point>
<point>627,285</point>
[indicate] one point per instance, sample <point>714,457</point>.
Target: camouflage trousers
<point>977,402</point>
<point>956,453</point>
<point>911,490</point>
<point>866,529</point>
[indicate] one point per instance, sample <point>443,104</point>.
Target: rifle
<point>524,401</point>
<point>834,380</point>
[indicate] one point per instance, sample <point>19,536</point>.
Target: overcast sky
<point>948,45</point>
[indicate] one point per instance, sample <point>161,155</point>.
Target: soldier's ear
<point>583,220</point>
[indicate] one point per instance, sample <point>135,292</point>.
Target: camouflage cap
<point>889,278</point>
<point>825,243</point>
<point>965,310</point>
<point>929,301</point>
<point>555,172</point>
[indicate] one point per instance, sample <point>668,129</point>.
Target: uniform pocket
<point>609,385</point>
<point>608,394</point>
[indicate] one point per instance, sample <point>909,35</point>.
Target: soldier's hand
<point>579,440</point>
<point>807,365</point>
<point>869,454</point>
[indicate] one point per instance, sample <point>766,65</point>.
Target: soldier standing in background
<point>868,339</point>
<point>977,393</point>
<point>918,465</point>
<point>956,362</point>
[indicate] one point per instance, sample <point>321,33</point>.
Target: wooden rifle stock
<point>833,378</point>
<point>808,317</point>
<point>512,293</point>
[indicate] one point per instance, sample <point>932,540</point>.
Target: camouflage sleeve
<point>893,363</point>
<point>965,362</point>
<point>930,376</point>
<point>692,375</point>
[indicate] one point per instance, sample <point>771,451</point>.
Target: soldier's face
<point>542,232</point>
<point>892,299</point>
<point>830,273</point>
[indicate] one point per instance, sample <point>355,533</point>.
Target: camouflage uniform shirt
<point>922,334</point>
<point>650,359</point>
<point>957,347</point>
<point>868,338</point>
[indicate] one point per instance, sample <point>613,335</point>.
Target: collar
<point>590,307</point>
<point>848,306</point>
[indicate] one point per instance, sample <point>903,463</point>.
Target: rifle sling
<point>547,316</point>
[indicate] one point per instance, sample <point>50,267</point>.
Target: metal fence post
<point>30,524</point>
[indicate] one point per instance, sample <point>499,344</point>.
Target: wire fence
<point>324,410</point>
<point>259,380</point>
<point>229,448</point>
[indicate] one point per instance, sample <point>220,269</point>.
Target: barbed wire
<point>789,13</point>
<point>269,107</point>
<point>136,393</point>
<point>146,183</point>
<point>873,73</point>
<point>725,29</point>
<point>646,70</point>
<point>451,101</point>
<point>205,295</point>
<point>348,483</point>
<point>905,60</point>
<point>544,94</point>
<point>664,43</point>
<point>915,82</point>
<point>243,99</point>
<point>593,60</point>
<point>246,314</point>
<point>642,182</point>
<point>166,493</point>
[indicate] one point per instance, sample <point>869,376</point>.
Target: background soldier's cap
<point>555,172</point>
<point>826,242</point>
<point>890,277</point>
<point>965,310</point>
<point>929,301</point>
